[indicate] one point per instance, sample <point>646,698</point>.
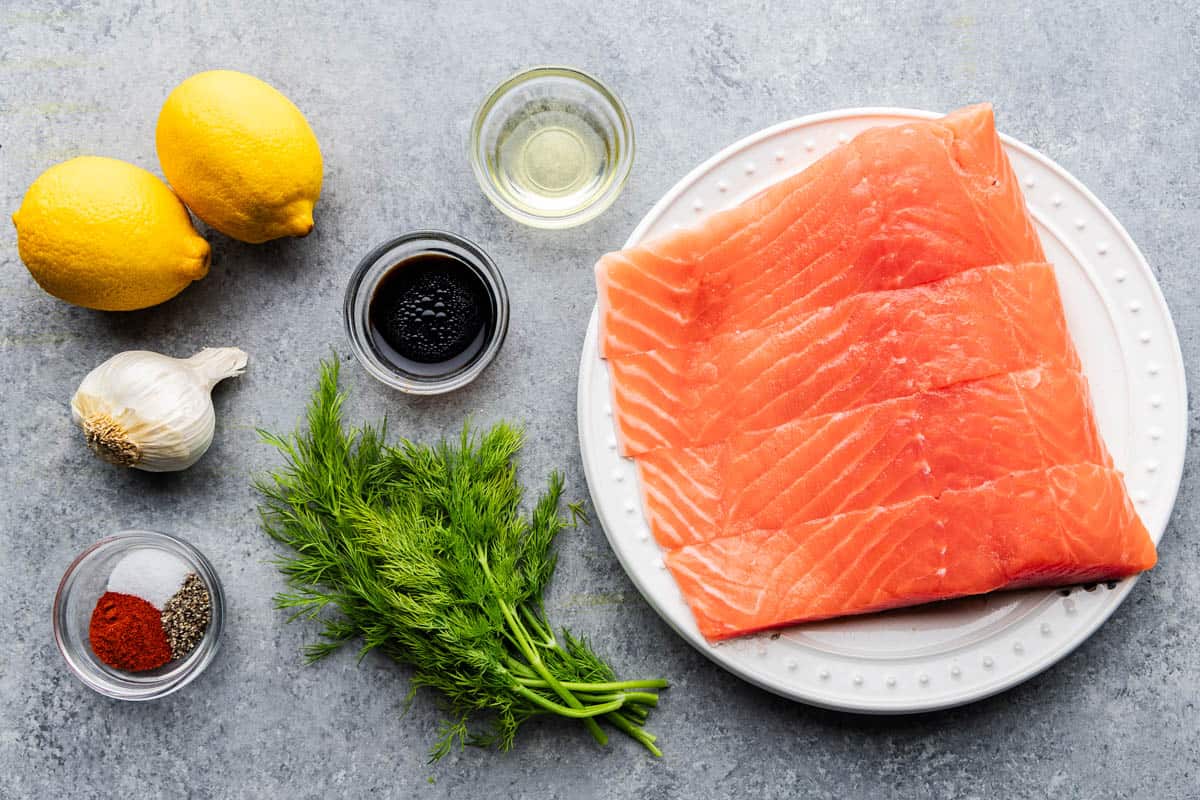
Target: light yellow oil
<point>552,158</point>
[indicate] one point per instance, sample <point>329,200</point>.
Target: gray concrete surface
<point>1108,89</point>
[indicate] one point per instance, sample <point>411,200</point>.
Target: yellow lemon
<point>102,233</point>
<point>241,155</point>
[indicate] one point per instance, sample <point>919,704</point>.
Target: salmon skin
<point>880,454</point>
<point>1064,525</point>
<point>894,207</point>
<point>857,391</point>
<point>867,348</point>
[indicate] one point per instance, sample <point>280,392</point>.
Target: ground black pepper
<point>186,615</point>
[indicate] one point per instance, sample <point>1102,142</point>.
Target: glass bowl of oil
<point>552,147</point>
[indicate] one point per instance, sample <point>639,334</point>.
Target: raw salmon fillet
<point>894,207</point>
<point>876,455</point>
<point>1064,525</point>
<point>867,348</point>
<point>857,391</point>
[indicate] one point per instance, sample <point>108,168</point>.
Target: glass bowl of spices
<point>426,312</point>
<point>552,147</point>
<point>138,615</point>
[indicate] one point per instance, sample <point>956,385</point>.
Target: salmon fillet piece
<point>867,348</point>
<point>895,207</point>
<point>1063,525</point>
<point>877,455</point>
<point>857,391</point>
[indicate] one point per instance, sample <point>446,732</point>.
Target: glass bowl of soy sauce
<point>426,312</point>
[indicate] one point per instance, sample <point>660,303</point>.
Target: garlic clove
<point>152,412</point>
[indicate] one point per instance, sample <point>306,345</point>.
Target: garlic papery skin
<point>153,412</point>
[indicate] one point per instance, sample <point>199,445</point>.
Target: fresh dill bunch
<point>422,552</point>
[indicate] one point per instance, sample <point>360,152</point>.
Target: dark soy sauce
<point>431,314</point>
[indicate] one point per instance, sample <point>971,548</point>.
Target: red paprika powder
<point>126,633</point>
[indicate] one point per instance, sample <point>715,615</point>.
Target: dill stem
<point>611,686</point>
<point>524,671</point>
<point>535,661</point>
<point>634,731</point>
<point>596,691</point>
<point>583,712</point>
<point>626,714</point>
<point>547,635</point>
<point>635,714</point>
<point>643,698</point>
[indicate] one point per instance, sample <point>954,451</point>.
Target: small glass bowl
<point>375,267</point>
<point>565,88</point>
<point>83,584</point>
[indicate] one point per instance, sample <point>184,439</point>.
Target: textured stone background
<point>389,88</point>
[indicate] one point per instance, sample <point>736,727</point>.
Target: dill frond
<point>422,553</point>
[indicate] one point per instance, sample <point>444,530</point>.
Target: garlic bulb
<point>150,411</point>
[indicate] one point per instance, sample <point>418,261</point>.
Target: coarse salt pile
<point>153,575</point>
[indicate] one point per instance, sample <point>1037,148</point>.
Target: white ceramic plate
<point>949,653</point>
